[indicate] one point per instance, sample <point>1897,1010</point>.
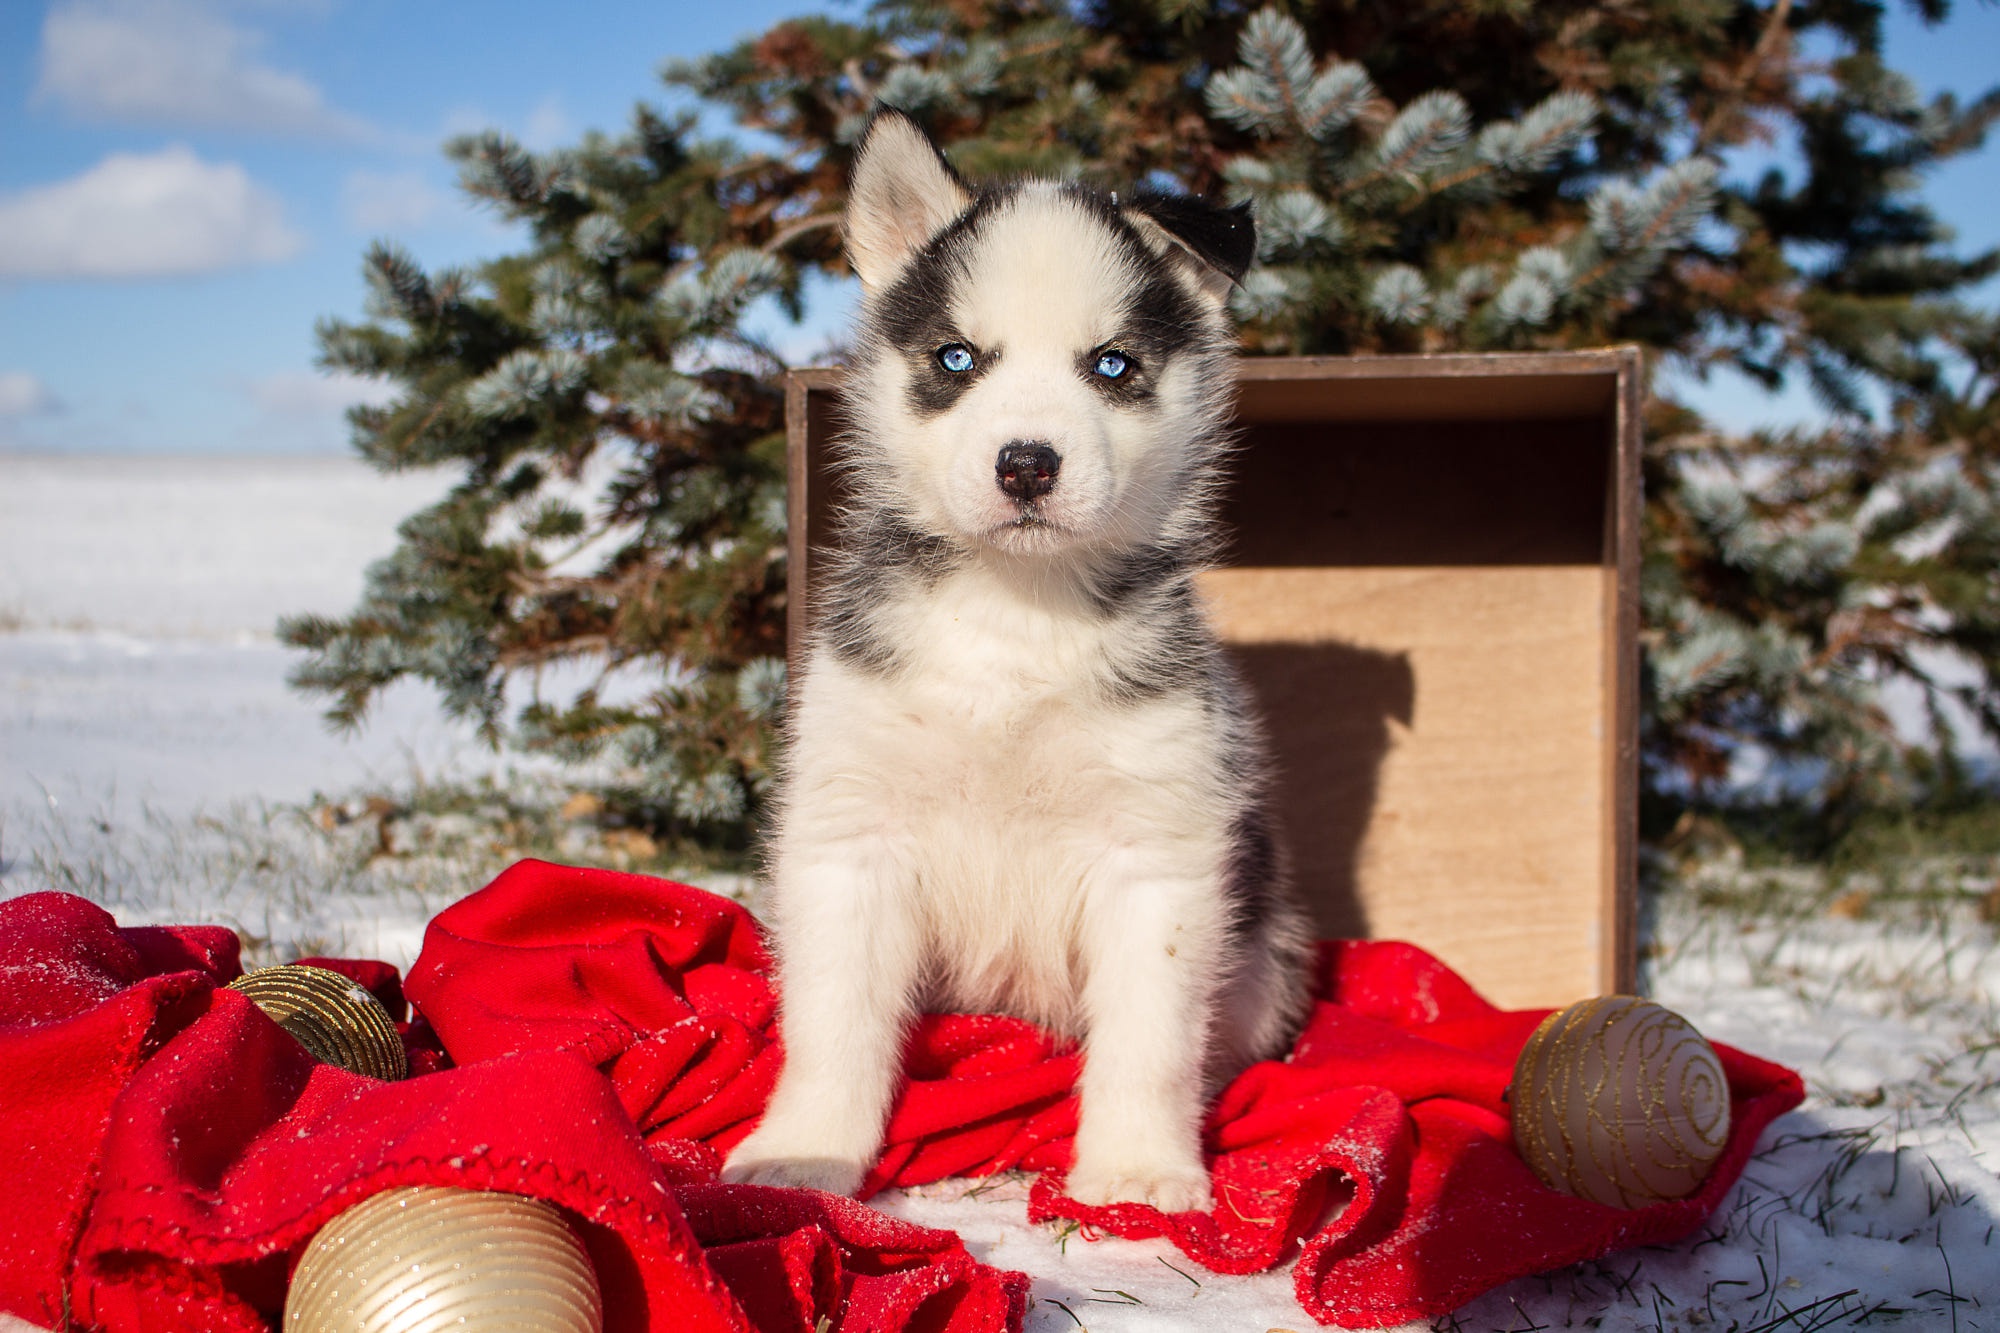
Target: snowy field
<point>137,599</point>
<point>152,758</point>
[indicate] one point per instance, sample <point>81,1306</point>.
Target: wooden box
<point>1432,587</point>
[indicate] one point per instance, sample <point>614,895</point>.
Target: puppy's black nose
<point>1027,469</point>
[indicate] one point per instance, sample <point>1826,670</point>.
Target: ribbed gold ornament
<point>334,1018</point>
<point>432,1258</point>
<point>1620,1100</point>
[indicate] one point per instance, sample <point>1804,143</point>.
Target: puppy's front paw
<point>773,1159</point>
<point>1169,1189</point>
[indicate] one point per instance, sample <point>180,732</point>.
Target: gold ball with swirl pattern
<point>1619,1100</point>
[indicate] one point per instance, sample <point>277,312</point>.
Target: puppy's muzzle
<point>1027,469</point>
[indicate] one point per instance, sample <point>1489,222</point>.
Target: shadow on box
<point>1334,753</point>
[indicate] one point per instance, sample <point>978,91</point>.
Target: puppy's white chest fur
<point>1008,785</point>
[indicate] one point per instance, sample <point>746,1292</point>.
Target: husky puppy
<point>1021,776</point>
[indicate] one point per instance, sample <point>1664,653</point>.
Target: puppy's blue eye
<point>1112,364</point>
<point>955,357</point>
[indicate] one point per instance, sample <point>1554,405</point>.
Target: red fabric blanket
<point>600,1040</point>
<point>173,1149</point>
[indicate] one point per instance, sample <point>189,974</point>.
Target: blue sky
<point>274,139</point>
<point>264,142</point>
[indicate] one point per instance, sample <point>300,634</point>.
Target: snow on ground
<point>152,759</point>
<point>105,718</point>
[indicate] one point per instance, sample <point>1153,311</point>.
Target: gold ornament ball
<point>334,1018</point>
<point>1621,1101</point>
<point>432,1258</point>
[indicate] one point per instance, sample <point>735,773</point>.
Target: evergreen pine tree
<point>1433,176</point>
<point>620,509</point>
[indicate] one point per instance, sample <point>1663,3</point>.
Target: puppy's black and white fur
<point>1021,776</point>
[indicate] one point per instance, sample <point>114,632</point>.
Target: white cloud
<point>143,215</point>
<point>377,201</point>
<point>23,395</point>
<point>548,126</point>
<point>309,393</point>
<point>175,62</point>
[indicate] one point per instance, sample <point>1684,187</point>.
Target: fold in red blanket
<point>599,1040</point>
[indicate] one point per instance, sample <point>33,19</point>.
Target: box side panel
<point>802,447</point>
<point>811,424</point>
<point>1624,513</point>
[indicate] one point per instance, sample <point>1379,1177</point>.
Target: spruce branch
<point>1399,295</point>
<point>1423,136</point>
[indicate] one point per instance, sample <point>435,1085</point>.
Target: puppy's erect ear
<point>902,194</point>
<point>1218,242</point>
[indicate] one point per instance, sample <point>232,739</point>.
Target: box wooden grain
<point>1432,588</point>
